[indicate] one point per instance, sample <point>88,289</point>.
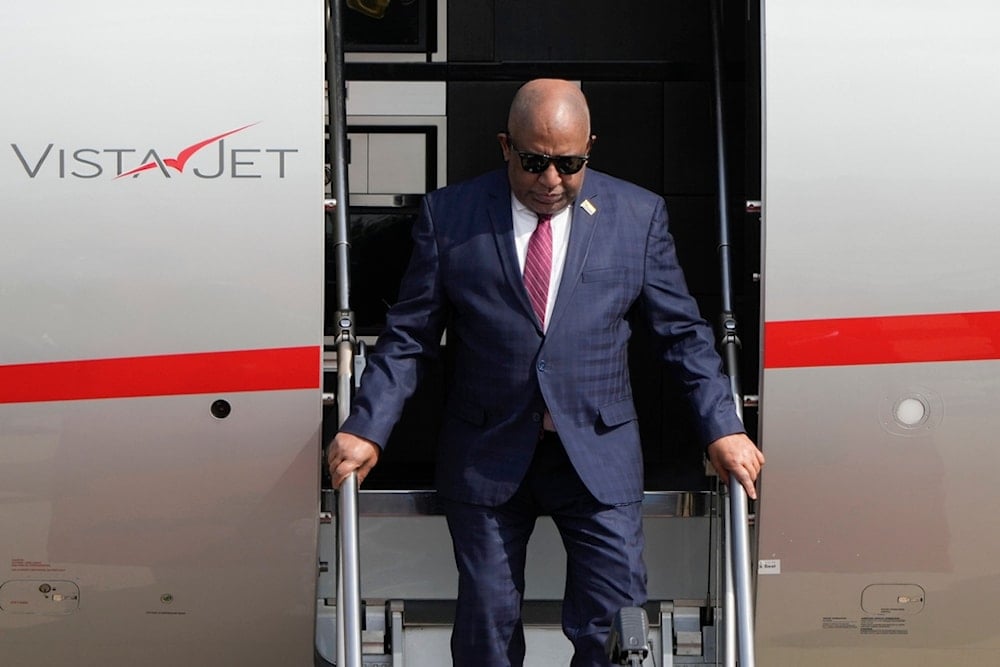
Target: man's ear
<point>504,139</point>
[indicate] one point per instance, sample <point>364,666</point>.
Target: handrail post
<point>737,519</point>
<point>740,554</point>
<point>348,551</point>
<point>729,590</point>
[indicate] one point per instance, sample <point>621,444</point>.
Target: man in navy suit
<point>540,418</point>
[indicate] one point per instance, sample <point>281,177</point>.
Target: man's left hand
<point>737,455</point>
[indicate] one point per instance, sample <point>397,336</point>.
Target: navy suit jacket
<point>464,276</point>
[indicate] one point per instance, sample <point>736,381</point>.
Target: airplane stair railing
<point>738,600</point>
<point>348,552</point>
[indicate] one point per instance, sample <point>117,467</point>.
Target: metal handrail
<point>348,551</point>
<point>738,611</point>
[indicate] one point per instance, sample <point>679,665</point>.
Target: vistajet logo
<point>223,162</point>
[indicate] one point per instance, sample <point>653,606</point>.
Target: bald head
<point>549,105</point>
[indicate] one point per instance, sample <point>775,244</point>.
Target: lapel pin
<point>588,207</point>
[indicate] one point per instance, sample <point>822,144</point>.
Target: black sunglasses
<point>536,163</point>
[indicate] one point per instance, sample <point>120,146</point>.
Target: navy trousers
<point>604,566</point>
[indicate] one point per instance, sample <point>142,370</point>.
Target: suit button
<point>536,417</point>
<point>541,366</point>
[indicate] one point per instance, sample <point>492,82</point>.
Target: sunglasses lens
<point>534,164</point>
<point>569,164</point>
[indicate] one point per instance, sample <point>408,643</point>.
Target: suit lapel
<point>503,232</point>
<point>581,236</point>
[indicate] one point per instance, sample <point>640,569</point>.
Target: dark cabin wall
<point>646,68</point>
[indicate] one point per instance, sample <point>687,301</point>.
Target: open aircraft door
<point>877,541</point>
<point>161,276</point>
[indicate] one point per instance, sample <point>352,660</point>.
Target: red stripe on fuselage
<point>896,339</point>
<point>162,375</point>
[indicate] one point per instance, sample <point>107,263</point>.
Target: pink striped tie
<point>538,266</point>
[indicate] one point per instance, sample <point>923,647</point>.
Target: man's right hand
<point>350,453</point>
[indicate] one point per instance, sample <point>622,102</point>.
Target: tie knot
<point>544,219</point>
